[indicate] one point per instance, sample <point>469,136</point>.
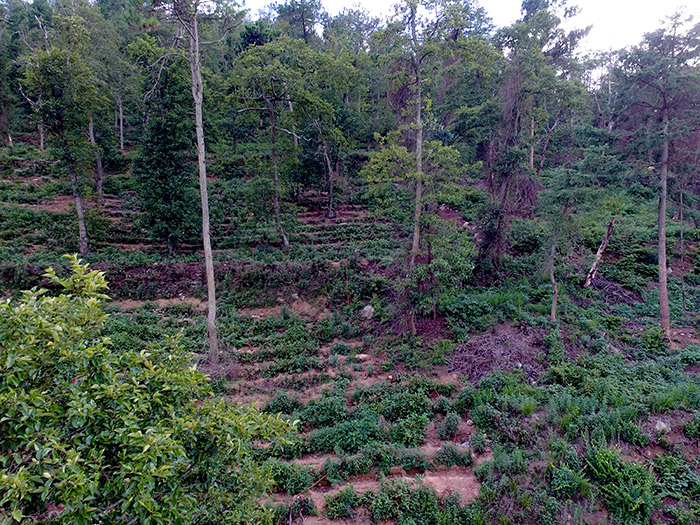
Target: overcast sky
<point>616,23</point>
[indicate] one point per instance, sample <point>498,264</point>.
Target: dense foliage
<point>93,432</point>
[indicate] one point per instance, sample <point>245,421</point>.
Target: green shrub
<point>628,488</point>
<point>442,405</point>
<point>692,428</point>
<point>676,479</point>
<point>403,405</point>
<point>654,340</point>
<point>411,431</point>
<point>341,505</point>
<point>451,456</point>
<point>290,477</point>
<point>464,400</point>
<point>283,403</point>
<point>567,483</point>
<point>347,437</point>
<point>102,432</point>
<point>413,460</point>
<point>448,428</point>
<point>300,506</point>
<point>327,410</point>
<point>478,443</point>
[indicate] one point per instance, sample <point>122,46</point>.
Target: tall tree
<point>269,78</point>
<point>163,171</point>
<point>67,88</point>
<point>298,19</point>
<point>663,87</point>
<point>187,14</point>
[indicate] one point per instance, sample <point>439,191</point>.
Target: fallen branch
<point>599,255</point>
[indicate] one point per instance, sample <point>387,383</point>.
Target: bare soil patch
<point>128,304</point>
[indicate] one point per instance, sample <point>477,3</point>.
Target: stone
<point>661,426</point>
<point>367,312</point>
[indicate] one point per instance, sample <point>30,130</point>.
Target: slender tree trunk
<point>663,271</point>
<point>80,210</point>
<point>418,208</point>
<point>543,157</point>
<point>330,212</point>
<point>197,90</point>
<point>295,138</point>
<point>275,174</point>
<point>42,136</point>
<point>682,249</point>
<point>552,279</point>
<point>599,255</point>
<point>99,170</point>
<point>121,123</point>
<point>531,161</point>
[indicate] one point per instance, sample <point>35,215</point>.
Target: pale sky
<point>616,23</point>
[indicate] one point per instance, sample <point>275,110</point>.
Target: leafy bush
<point>283,403</point>
<point>442,405</point>
<point>396,500</point>
<point>692,428</point>
<point>112,435</point>
<point>413,460</point>
<point>348,436</point>
<point>411,431</point>
<point>450,456</point>
<point>340,505</point>
<point>464,400</point>
<point>568,483</point>
<point>324,411</point>
<point>290,477</point>
<point>402,405</point>
<point>628,488</point>
<point>448,428</point>
<point>676,478</point>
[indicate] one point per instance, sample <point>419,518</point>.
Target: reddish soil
<point>309,310</point>
<point>684,336</point>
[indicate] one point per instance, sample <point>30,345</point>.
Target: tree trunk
<point>682,248</point>
<point>82,229</point>
<point>99,171</point>
<point>531,161</point>
<point>330,212</point>
<point>663,271</point>
<point>121,123</point>
<point>41,136</point>
<point>275,174</point>
<point>552,279</point>
<point>599,255</point>
<point>197,90</point>
<point>418,209</point>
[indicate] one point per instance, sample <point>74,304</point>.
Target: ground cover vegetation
<point>436,272</point>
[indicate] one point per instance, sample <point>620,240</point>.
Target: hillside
<point>398,247</point>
